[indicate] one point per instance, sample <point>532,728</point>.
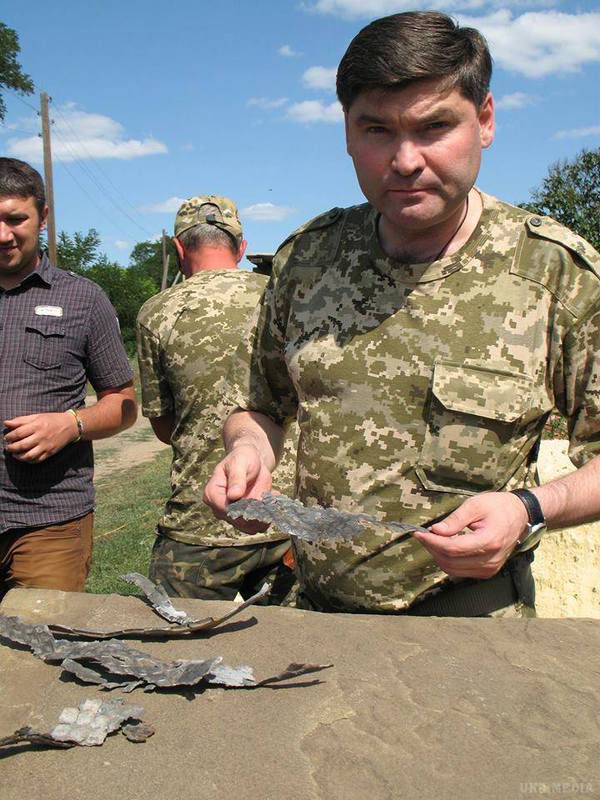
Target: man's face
<point>417,151</point>
<point>20,226</point>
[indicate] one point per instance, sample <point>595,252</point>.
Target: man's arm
<point>253,443</point>
<point>497,520</point>
<point>36,437</point>
<point>163,427</point>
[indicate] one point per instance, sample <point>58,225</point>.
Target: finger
<point>22,444</point>
<point>453,546</point>
<point>15,422</point>
<point>239,472</point>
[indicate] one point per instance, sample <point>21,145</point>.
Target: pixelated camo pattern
<point>418,385</point>
<point>186,336</point>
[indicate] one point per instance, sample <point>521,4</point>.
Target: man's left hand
<point>36,437</point>
<point>491,522</point>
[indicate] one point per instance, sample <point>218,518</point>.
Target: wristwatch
<point>535,515</point>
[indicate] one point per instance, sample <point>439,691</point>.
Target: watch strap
<point>532,504</point>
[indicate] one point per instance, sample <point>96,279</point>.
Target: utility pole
<point>44,99</point>
<point>165,261</point>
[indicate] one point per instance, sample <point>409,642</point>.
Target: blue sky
<point>155,102</point>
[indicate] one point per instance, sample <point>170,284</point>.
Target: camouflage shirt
<point>185,339</point>
<point>416,385</point>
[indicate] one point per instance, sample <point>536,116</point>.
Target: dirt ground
<point>133,446</point>
<point>567,564</point>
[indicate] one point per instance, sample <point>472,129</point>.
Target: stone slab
<point>413,708</point>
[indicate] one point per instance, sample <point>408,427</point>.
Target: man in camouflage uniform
<point>422,340</point>
<point>186,335</point>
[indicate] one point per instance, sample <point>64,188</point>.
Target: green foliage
<point>78,252</point>
<point>127,289</point>
<point>11,76</point>
<point>127,510</point>
<point>571,194</point>
<point>146,259</point>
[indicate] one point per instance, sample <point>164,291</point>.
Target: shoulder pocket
<point>470,443</point>
<point>44,344</point>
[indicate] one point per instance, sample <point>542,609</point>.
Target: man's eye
<point>376,129</point>
<point>438,125</point>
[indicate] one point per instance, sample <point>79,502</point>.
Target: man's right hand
<point>241,474</point>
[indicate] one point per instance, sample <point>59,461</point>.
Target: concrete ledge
<point>413,708</point>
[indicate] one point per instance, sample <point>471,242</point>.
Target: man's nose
<point>6,234</point>
<point>408,157</point>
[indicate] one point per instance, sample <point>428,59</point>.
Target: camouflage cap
<point>211,209</point>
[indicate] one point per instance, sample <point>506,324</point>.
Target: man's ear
<point>43,218</point>
<point>241,250</point>
<point>487,121</point>
<point>180,250</point>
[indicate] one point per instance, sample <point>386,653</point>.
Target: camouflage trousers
<point>510,593</point>
<point>219,573</point>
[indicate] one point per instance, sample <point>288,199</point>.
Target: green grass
<point>129,503</point>
<point>556,427</point>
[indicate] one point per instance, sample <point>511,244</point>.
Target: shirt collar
<point>43,272</point>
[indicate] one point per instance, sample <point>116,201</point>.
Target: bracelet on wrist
<point>79,423</point>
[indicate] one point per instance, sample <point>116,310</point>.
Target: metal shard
<point>93,720</point>
<point>314,523</point>
<point>87,725</point>
<point>113,664</point>
<point>159,599</point>
<point>174,631</point>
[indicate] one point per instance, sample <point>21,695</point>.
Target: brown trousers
<point>56,557</point>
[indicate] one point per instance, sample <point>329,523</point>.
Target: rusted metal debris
<point>116,665</point>
<point>314,523</point>
<point>153,594</point>
<point>159,599</point>
<point>88,725</point>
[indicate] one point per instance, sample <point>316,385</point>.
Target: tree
<point>571,194</point>
<point>146,260</point>
<point>126,288</point>
<point>78,252</point>
<point>11,76</point>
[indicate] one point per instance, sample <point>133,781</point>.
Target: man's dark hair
<point>18,179</point>
<point>395,51</point>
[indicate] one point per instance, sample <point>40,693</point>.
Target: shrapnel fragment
<point>88,725</point>
<point>113,664</point>
<point>173,631</point>
<point>312,523</point>
<point>159,599</point>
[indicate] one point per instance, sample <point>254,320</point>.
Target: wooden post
<point>165,261</point>
<point>48,176</point>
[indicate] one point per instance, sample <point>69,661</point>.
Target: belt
<point>475,598</point>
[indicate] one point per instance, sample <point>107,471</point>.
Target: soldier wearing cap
<point>186,336</point>
<point>422,339</point>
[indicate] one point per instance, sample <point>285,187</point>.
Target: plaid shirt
<point>57,331</point>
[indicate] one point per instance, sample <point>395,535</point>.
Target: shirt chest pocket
<point>472,440</point>
<point>44,344</point>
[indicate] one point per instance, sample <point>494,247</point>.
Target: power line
<point>20,99</point>
<point>93,177</point>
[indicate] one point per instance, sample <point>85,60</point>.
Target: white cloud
<point>287,51</point>
<point>165,207</point>
<point>78,135</point>
<point>511,102</point>
<point>266,212</point>
<point>121,244</point>
<point>315,111</point>
<point>266,103</point>
<point>578,133</point>
<point>320,78</point>
<point>366,9</point>
<point>541,43</point>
